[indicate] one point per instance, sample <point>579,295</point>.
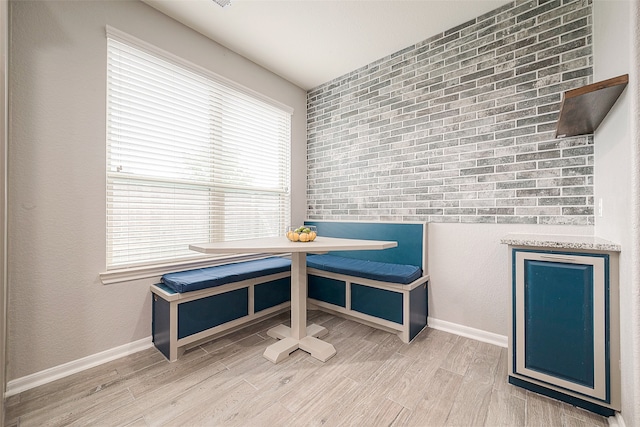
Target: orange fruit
<point>312,236</point>
<point>304,237</point>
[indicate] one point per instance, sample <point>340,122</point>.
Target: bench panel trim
<point>380,303</point>
<point>374,321</point>
<point>202,293</point>
<point>373,283</point>
<point>194,316</point>
<point>218,330</point>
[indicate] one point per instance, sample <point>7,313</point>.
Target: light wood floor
<point>374,380</point>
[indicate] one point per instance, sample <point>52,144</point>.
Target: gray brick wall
<point>459,127</point>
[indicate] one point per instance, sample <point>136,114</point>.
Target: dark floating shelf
<point>583,109</point>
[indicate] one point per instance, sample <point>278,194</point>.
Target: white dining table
<point>299,335</point>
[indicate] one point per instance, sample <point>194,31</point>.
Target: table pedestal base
<point>279,351</point>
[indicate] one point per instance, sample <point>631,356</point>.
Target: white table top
<point>284,245</point>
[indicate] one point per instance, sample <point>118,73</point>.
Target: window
<point>189,159</point>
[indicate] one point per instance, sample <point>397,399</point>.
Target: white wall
<point>59,311</point>
<point>469,272</point>
<point>616,183</point>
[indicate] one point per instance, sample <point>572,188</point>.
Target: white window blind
<point>189,160</point>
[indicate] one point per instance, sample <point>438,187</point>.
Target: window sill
<point>156,271</point>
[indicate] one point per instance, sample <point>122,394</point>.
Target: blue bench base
<point>392,306</point>
<point>183,319</point>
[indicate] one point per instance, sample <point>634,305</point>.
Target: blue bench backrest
<point>411,238</point>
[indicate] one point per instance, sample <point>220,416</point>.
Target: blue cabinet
<point>564,334</point>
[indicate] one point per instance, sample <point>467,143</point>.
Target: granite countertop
<point>560,241</point>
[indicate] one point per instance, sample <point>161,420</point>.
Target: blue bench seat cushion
<point>374,270</point>
<point>202,278</point>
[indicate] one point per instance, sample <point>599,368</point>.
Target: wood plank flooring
<point>440,379</point>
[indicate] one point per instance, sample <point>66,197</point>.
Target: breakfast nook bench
<point>189,306</point>
<point>385,289</point>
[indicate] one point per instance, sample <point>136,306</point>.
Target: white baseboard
<point>48,375</point>
<point>616,420</point>
<point>468,332</point>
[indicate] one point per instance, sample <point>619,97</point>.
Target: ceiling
<point>310,42</point>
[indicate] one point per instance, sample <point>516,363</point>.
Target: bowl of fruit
<point>304,233</point>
